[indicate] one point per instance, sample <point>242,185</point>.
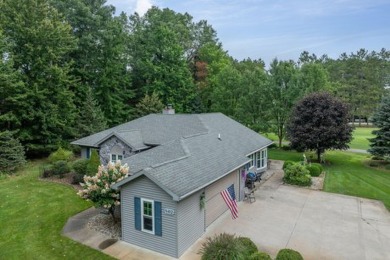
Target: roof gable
<point>188,163</point>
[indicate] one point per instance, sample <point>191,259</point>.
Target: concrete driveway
<point>319,225</point>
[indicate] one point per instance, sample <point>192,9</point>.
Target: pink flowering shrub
<point>98,188</point>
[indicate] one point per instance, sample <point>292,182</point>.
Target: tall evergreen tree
<point>149,104</point>
<point>101,59</point>
<point>11,88</point>
<point>91,119</point>
<point>380,145</point>
<point>40,42</point>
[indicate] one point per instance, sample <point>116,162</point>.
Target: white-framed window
<point>259,159</point>
<point>116,157</point>
<point>147,215</point>
<point>263,158</point>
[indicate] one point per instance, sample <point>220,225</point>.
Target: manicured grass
<point>359,141</point>
<point>347,174</point>
<point>360,138</point>
<point>32,215</point>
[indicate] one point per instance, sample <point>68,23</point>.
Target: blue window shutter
<point>157,219</point>
<point>137,213</point>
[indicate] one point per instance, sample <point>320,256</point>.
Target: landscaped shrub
<point>248,244</point>
<point>288,254</point>
<point>319,166</point>
<point>77,178</point>
<point>260,256</point>
<point>222,246</point>
<point>60,168</point>
<point>60,155</point>
<point>93,163</point>
<point>80,166</point>
<point>374,163</point>
<point>47,171</point>
<point>287,163</point>
<point>314,170</point>
<point>297,174</point>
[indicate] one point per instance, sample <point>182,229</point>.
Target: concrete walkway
<point>319,225</point>
<point>76,229</point>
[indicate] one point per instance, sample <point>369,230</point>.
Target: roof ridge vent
<point>219,137</point>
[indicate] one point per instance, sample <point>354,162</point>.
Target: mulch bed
<point>67,180</point>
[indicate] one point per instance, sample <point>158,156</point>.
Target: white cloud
<point>142,6</point>
<point>131,6</point>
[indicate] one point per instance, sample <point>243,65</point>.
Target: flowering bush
<point>98,188</point>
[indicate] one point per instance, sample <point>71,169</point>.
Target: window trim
<point>153,231</point>
<point>116,157</point>
<point>258,159</point>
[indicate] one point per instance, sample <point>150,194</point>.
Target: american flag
<point>229,197</point>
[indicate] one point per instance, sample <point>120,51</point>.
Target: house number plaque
<point>168,211</point>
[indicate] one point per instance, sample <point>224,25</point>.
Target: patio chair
<point>249,195</point>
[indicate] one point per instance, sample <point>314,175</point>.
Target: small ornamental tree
<point>98,188</point>
<point>319,122</point>
<point>380,145</point>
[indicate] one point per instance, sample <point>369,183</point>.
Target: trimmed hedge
<point>297,174</point>
<point>314,170</point>
<point>288,254</point>
<point>319,166</point>
<point>247,243</point>
<point>80,166</point>
<point>60,168</point>
<point>260,256</point>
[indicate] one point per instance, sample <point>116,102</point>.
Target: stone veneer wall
<point>105,149</point>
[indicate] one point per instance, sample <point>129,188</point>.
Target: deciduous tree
<point>319,122</point>
<point>282,92</point>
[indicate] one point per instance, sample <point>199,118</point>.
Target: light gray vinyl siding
<point>142,187</point>
<point>190,221</point>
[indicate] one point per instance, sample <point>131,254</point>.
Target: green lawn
<point>359,141</point>
<point>347,174</point>
<point>360,138</point>
<point>32,215</point>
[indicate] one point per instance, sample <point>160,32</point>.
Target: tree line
<point>69,68</point>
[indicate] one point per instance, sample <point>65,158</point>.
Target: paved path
<point>320,225</point>
<point>76,229</point>
<point>357,151</point>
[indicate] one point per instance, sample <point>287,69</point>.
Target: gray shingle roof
<point>193,156</point>
<point>154,129</point>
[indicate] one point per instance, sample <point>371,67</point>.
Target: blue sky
<point>273,28</point>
